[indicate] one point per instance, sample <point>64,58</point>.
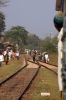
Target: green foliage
<point>17,35</point>
<point>2,22</point>
<point>33,42</point>
<point>49,45</point>
<point>55,41</point>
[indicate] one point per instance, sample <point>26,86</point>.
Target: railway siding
<point>14,91</point>
<point>12,88</point>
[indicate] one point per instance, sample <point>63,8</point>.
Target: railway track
<point>16,85</point>
<point>47,63</point>
<point>6,79</point>
<point>48,66</point>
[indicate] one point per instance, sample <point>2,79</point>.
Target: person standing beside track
<point>58,22</point>
<point>6,57</point>
<point>33,55</point>
<point>46,57</point>
<point>1,58</point>
<point>17,54</point>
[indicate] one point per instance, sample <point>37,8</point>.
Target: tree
<point>2,22</point>
<point>55,41</point>
<point>33,42</point>
<point>17,35</point>
<point>3,3</point>
<point>49,46</point>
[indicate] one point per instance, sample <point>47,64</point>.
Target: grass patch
<point>12,66</point>
<point>46,81</point>
<point>53,59</point>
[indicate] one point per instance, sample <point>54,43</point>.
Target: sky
<point>35,15</point>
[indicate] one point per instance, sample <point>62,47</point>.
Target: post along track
<point>15,86</point>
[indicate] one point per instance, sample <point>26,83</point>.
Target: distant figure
<point>33,55</point>
<point>4,52</point>
<point>6,57</point>
<point>39,56</point>
<point>10,54</point>
<point>46,58</point>
<point>1,58</point>
<point>13,54</point>
<point>17,54</point>
<point>29,52</point>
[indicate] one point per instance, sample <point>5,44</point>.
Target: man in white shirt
<point>17,55</point>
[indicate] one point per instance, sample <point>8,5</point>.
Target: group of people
<point>44,56</point>
<point>8,54</point>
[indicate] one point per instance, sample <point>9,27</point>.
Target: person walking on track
<point>33,55</point>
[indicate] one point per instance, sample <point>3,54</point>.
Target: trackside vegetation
<point>13,65</point>
<point>45,82</point>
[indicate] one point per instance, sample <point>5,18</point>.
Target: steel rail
<point>23,92</point>
<point>45,67</point>
<point>2,82</point>
<point>26,87</point>
<point>48,63</point>
<point>12,75</point>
